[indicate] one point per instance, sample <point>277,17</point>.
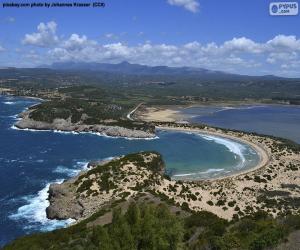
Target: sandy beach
<point>271,181</point>
<point>159,114</point>
<point>263,155</point>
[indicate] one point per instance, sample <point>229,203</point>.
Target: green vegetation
<point>255,232</point>
<point>141,227</point>
<point>99,98</point>
<point>95,112</point>
<point>155,227</point>
<point>154,89</point>
<point>88,112</point>
<point>108,174</point>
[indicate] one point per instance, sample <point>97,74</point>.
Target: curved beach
<point>259,149</point>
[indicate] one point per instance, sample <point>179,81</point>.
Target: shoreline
<point>227,196</point>
<point>245,188</point>
<point>263,155</point>
<point>261,152</point>
<point>74,132</point>
<point>65,125</point>
<point>175,113</point>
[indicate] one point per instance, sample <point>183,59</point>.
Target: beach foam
<point>207,172</point>
<point>239,108</point>
<point>80,133</point>
<point>203,174</point>
<point>234,147</point>
<point>34,212</point>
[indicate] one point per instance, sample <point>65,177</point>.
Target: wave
<point>80,133</point>
<point>65,170</point>
<point>9,103</point>
<point>234,147</point>
<point>208,171</point>
<point>224,109</point>
<point>212,170</point>
<point>239,108</point>
<point>15,117</point>
<point>117,137</point>
<point>29,129</point>
<point>182,175</point>
<point>80,165</point>
<point>17,102</point>
<point>34,212</point>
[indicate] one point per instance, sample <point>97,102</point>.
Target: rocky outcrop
<point>68,126</point>
<point>104,183</point>
<point>63,203</point>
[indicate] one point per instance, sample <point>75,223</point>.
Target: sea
<point>31,160</point>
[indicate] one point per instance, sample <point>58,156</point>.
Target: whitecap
<point>182,175</point>
<point>224,109</point>
<point>212,170</point>
<point>65,170</point>
<point>80,165</point>
<point>234,147</point>
<point>9,103</point>
<point>240,108</point>
<point>34,212</point>
<point>29,129</point>
<point>15,117</point>
<point>79,133</point>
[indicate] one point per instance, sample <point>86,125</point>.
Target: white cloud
<point>190,5</point>
<point>282,42</point>
<point>242,44</point>
<point>2,49</point>
<point>237,54</point>
<point>44,37</point>
<point>77,42</point>
<point>240,54</point>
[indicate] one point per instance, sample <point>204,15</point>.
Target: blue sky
<point>233,35</point>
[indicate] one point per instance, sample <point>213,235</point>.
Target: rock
<point>68,126</point>
<point>63,205</point>
<point>85,194</point>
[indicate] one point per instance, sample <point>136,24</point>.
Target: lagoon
<point>277,120</point>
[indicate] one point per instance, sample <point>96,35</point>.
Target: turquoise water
<point>30,161</point>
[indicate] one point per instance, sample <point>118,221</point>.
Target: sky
<point>233,35</point>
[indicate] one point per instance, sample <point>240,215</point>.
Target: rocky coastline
<point>104,183</point>
<point>65,125</point>
<point>273,186</point>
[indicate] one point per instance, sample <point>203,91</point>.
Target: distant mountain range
<point>144,70</point>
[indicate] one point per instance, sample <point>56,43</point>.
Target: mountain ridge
<point>143,70</point>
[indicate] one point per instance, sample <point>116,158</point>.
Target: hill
<point>145,70</point>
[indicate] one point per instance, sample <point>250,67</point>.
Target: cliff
<point>67,126</point>
<point>103,184</point>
